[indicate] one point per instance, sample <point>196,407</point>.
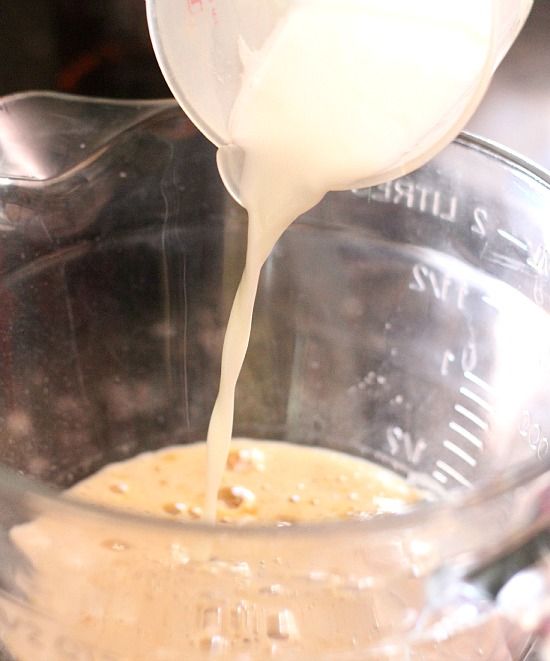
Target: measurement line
<point>459,452</point>
<point>451,472</point>
<point>489,301</point>
<point>471,416</point>
<point>479,382</point>
<point>513,239</point>
<point>440,477</point>
<point>466,434</point>
<point>477,399</point>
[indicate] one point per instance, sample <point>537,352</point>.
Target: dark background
<point>102,48</point>
<point>93,47</point>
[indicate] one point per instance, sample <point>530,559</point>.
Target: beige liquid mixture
<point>264,482</point>
<point>102,590</point>
<point>150,594</point>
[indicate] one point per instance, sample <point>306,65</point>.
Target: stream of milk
<point>339,93</point>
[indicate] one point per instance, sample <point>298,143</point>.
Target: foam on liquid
<point>339,93</point>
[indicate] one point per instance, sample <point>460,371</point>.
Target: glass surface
<point>407,324</point>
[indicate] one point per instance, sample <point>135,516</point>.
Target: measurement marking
<point>477,399</point>
<point>513,239</point>
<point>451,472</point>
<point>489,301</point>
<point>459,452</point>
<point>466,434</point>
<point>462,410</point>
<point>440,477</point>
<point>505,260</point>
<point>479,382</point>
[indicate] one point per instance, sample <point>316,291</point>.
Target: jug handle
<point>514,579</point>
<point>518,580</point>
<point>45,134</point>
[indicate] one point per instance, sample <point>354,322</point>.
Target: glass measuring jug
<point>426,351</point>
<point>207,48</point>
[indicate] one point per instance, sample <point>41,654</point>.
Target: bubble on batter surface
<point>246,460</point>
<point>175,508</point>
<point>236,497</point>
<point>119,487</point>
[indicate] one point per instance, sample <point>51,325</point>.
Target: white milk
<point>340,92</point>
